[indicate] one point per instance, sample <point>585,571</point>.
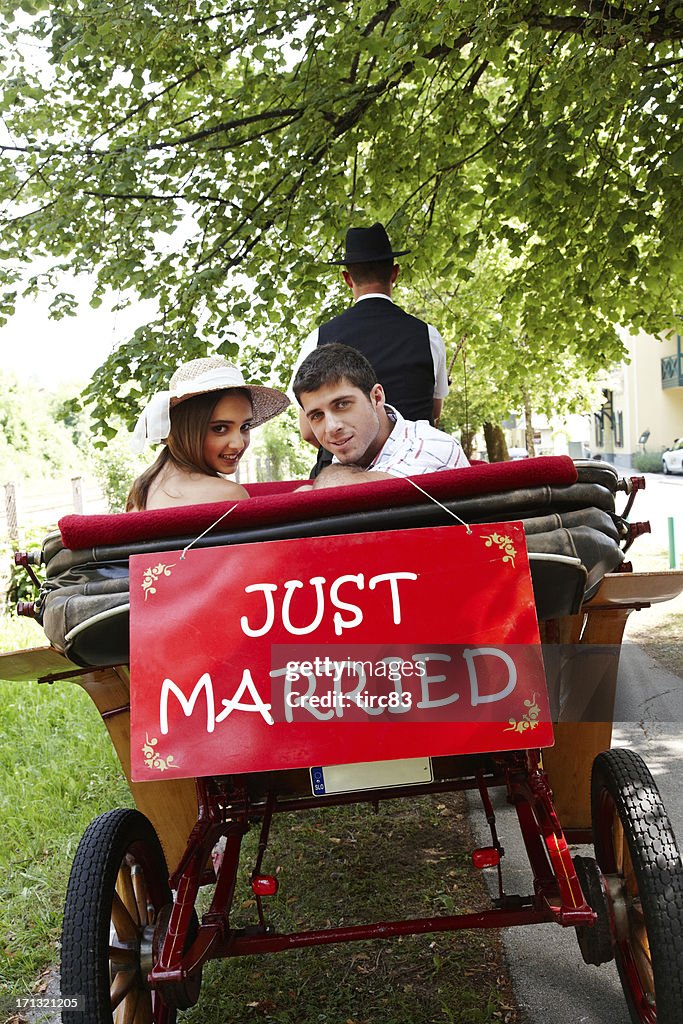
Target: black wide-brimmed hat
<point>367,245</point>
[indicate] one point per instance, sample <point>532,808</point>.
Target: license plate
<point>353,778</point>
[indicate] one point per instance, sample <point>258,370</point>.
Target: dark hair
<point>329,364</point>
<point>185,443</point>
<point>374,271</point>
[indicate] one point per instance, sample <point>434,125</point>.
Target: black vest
<point>397,345</point>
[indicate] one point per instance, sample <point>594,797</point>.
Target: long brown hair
<point>184,446</point>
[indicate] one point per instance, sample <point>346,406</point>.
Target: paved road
<point>662,498</point>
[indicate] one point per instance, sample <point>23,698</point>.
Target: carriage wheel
<point>636,849</point>
<point>596,943</point>
<point>117,889</point>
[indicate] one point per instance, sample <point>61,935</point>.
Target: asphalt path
<point>551,981</point>
<point>662,499</point>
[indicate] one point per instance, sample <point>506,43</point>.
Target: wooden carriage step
<point>637,588</point>
<point>35,663</point>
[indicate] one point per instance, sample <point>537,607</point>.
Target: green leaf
<point>676,160</point>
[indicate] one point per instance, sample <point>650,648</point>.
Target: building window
<point>599,430</point>
<point>619,429</point>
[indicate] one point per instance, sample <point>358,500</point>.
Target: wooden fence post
<point>77,491</point>
<point>11,512</point>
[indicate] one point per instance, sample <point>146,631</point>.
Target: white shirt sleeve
<point>438,347</point>
<point>308,346</point>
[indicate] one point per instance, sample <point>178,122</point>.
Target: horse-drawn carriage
<point>196,634</point>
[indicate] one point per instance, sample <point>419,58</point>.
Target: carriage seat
<point>568,512</point>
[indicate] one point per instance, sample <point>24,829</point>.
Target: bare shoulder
<point>212,488</point>
<point>180,488</point>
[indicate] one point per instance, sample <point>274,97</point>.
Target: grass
<point>17,634</point>
<point>333,866</point>
<point>58,771</point>
<point>661,637</point>
<point>346,866</point>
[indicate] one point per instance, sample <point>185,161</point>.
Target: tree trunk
<point>496,445</point>
<point>529,428</point>
<point>466,439</point>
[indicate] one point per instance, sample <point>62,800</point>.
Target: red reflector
<point>485,857</point>
<point>264,885</point>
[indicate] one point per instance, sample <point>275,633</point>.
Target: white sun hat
<point>199,377</point>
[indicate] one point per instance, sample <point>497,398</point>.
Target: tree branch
<point>225,126</point>
<point>145,196</point>
<point>661,30</point>
<point>663,65</point>
<point>252,138</point>
<point>144,105</point>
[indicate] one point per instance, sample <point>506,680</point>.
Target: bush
<point>26,420</point>
<point>16,581</point>
<point>648,462</point>
<point>287,456</point>
<point>115,468</point>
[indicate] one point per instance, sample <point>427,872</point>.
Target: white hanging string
<point>409,479</point>
<point>432,498</point>
<point>219,520</point>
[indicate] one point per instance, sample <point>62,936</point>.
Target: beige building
<point>561,435</point>
<point>642,406</point>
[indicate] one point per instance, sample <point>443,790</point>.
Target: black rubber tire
<point>636,849</point>
<point>665,468</point>
<point>596,942</point>
<point>112,843</point>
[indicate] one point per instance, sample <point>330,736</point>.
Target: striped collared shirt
<point>414,447</point>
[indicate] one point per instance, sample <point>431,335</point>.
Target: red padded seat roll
<point>276,503</point>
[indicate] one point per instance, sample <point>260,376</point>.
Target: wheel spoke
<point>629,874</point>
<point>647,979</point>
<point>144,1014</point>
<point>143,903</point>
<point>123,957</point>
<point>619,843</point>
<point>636,914</point>
<point>122,1013</point>
<point>130,1008</point>
<point>122,985</point>
<point>124,925</point>
<point>640,947</point>
<point>124,887</point>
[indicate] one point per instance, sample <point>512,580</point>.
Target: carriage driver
<point>345,407</point>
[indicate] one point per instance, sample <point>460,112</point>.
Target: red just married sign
<point>334,650</point>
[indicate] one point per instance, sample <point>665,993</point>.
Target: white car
<point>672,458</point>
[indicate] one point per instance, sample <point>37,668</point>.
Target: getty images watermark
<point>406,683</point>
